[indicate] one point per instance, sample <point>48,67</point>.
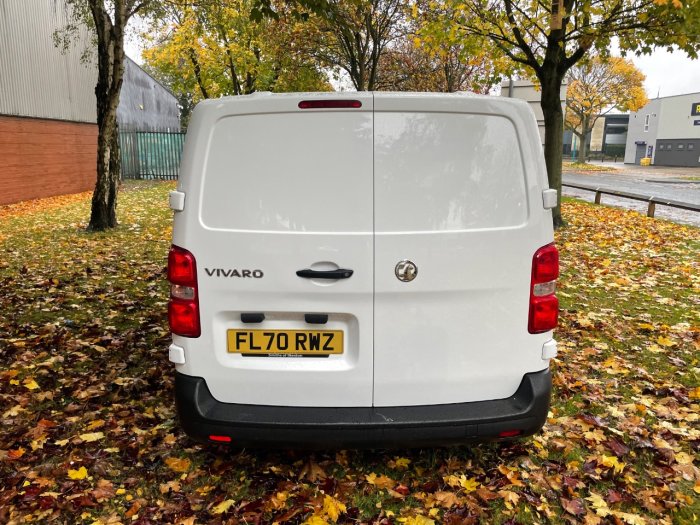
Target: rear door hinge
<point>549,199</point>
<point>177,200</point>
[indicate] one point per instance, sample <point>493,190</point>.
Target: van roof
<point>505,101</point>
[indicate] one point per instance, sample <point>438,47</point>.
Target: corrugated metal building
<point>145,104</point>
<point>48,135</point>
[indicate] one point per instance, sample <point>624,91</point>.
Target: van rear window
<point>447,172</point>
<point>290,172</point>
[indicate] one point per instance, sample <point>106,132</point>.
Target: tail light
<point>183,307</point>
<point>544,305</point>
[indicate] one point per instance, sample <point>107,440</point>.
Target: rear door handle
<point>340,273</point>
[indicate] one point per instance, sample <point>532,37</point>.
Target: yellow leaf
<point>15,410</point>
<point>30,384</point>
<point>97,423</point>
<point>92,436</point>
<point>315,520</point>
<point>417,520</point>
<point>279,500</point>
<point>178,464</point>
<point>599,504</point>
<point>81,473</point>
<point>683,458</point>
<point>402,463</point>
<point>469,485</point>
<point>381,482</point>
<point>630,519</point>
<point>665,341</point>
<point>222,507</point>
<point>38,443</point>
<point>612,462</point>
<point>333,507</point>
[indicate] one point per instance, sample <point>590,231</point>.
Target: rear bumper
<point>373,427</point>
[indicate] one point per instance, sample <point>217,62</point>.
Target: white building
<point>667,130</point>
<point>526,90</point>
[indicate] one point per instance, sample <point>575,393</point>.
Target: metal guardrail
<point>653,201</point>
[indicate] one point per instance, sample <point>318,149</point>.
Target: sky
<point>666,73</point>
<point>669,73</point>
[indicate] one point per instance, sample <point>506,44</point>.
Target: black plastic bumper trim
<point>409,426</point>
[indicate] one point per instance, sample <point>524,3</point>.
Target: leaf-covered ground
<point>88,433</point>
<point>584,166</point>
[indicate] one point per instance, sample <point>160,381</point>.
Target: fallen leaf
<point>599,504</point>
<point>573,506</point>
<point>417,520</point>
<point>30,384</point>
<point>92,436</point>
<point>333,508</point>
<point>16,453</point>
<point>222,507</point>
<point>80,473</point>
<point>381,482</point>
<point>179,465</point>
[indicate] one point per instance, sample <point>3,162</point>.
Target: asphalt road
<point>657,184</point>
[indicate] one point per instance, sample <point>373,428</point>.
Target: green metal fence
<point>151,155</point>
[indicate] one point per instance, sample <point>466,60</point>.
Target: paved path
<point>668,184</point>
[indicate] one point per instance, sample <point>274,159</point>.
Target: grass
<point>85,382</point>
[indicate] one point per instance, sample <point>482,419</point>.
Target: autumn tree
<point>595,88</point>
<point>354,34</point>
<point>438,62</point>
<point>109,20</point>
<point>409,66</point>
<point>209,49</point>
<point>547,38</point>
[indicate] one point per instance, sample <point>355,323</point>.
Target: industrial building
<point>608,137</point>
<point>48,131</point>
<point>527,91</point>
<point>667,129</point>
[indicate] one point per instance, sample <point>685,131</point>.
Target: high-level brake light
<point>329,104</point>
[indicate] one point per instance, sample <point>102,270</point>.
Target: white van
<point>362,269</point>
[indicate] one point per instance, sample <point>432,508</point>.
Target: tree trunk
<point>110,73</point>
<point>553,136</point>
<point>583,150</point>
<point>104,199</point>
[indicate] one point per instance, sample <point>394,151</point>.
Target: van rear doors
<point>451,196</point>
<point>450,183</point>
<point>283,189</point>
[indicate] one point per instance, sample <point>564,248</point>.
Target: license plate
<point>285,342</point>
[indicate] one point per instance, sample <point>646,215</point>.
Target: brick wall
<point>42,158</point>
